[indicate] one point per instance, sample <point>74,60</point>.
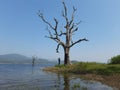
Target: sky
<point>23,32</point>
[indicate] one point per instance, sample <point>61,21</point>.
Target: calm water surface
<point>27,77</point>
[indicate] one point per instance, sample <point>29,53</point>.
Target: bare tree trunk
<point>69,30</point>
<point>66,56</point>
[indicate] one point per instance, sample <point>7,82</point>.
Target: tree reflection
<point>66,81</point>
<point>63,79</point>
<point>32,69</point>
<point>66,78</point>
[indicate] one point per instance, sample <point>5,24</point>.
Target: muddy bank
<point>111,80</point>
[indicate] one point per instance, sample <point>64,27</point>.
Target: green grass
<point>87,67</point>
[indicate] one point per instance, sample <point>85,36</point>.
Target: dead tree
<point>69,30</point>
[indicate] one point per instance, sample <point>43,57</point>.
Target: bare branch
<point>57,49</point>
<point>61,33</point>
<point>50,33</point>
<point>57,40</point>
<point>73,15</point>
<point>78,23</point>
<point>44,20</point>
<point>70,27</point>
<point>73,25</point>
<point>55,28</point>
<point>56,23</point>
<point>51,37</point>
<point>75,30</point>
<point>74,9</point>
<point>80,40</point>
<point>64,13</point>
<point>71,41</point>
<point>65,9</point>
<point>72,30</point>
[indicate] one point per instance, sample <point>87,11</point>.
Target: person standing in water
<point>59,61</point>
<point>33,60</point>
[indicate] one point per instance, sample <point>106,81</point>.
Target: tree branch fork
<point>70,28</point>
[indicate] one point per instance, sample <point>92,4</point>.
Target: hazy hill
<point>17,58</point>
<point>14,58</point>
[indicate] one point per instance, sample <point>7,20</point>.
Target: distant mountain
<point>18,59</point>
<point>14,58</point>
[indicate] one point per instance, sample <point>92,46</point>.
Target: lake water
<point>27,77</point>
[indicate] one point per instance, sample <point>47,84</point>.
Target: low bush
<point>115,60</point>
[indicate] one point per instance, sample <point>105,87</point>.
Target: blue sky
<point>22,31</point>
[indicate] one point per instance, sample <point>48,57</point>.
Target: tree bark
<point>66,56</point>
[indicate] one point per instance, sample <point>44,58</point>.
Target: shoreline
<point>111,80</point>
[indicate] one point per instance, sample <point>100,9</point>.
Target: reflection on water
<point>66,82</point>
<point>27,77</point>
<point>74,83</point>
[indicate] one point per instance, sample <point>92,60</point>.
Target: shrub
<point>115,60</point>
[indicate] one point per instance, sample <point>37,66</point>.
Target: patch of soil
<point>111,80</point>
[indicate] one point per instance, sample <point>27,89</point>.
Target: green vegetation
<point>88,67</point>
<point>115,60</point>
<point>76,86</point>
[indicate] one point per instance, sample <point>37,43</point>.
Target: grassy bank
<point>106,73</point>
<point>87,68</point>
